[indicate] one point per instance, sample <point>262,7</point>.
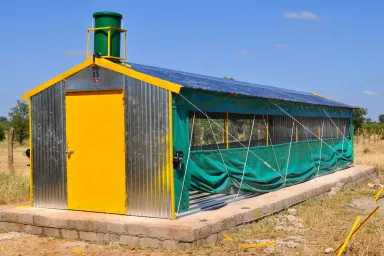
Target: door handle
<point>69,151</point>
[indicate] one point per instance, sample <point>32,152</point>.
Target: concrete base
<point>197,229</point>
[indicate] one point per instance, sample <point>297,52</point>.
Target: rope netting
<point>264,162</point>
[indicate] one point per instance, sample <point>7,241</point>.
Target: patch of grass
<point>13,188</point>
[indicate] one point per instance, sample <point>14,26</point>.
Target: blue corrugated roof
<point>208,83</point>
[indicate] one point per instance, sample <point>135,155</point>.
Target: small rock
<point>10,235</point>
<point>279,228</point>
<point>281,223</point>
<point>339,184</point>
<point>328,250</point>
<point>331,193</point>
<point>291,244</point>
<point>298,238</point>
<point>291,229</point>
<point>292,212</point>
<point>269,249</point>
<point>336,189</point>
<point>291,218</point>
<point>298,225</point>
<point>369,185</point>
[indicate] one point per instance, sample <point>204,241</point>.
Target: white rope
<point>246,157</point>
<point>371,177</point>
<point>342,145</point>
<point>273,148</point>
<point>222,158</point>
<point>265,163</point>
<point>337,128</point>
<point>289,154</point>
<point>186,165</point>
<point>258,157</point>
<point>333,143</point>
<point>309,146</point>
<point>305,127</point>
<point>321,148</point>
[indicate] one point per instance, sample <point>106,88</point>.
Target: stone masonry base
<point>197,229</point>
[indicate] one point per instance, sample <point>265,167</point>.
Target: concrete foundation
<point>197,229</point>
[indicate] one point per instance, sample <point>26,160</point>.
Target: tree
<point>3,119</point>
<point>2,132</point>
<point>19,119</point>
<point>229,78</point>
<point>359,117</point>
<point>368,120</point>
<point>381,118</point>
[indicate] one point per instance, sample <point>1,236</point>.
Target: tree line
<point>360,121</point>
<point>18,118</point>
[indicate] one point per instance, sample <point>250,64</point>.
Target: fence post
<point>11,136</point>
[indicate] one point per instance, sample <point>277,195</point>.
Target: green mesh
<point>207,172</point>
<point>210,174</point>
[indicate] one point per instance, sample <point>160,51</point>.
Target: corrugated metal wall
<point>147,150</point>
<point>82,80</point>
<point>48,148</point>
<point>280,128</point>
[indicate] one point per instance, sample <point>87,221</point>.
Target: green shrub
<point>2,132</point>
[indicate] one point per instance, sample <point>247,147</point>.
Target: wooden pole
<point>11,136</point>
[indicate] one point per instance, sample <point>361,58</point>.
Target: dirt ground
<point>316,225</point>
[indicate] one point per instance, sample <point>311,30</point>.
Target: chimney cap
<point>106,13</point>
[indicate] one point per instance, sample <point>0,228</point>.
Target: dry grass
<point>14,187</point>
<point>370,153</point>
<point>327,222</point>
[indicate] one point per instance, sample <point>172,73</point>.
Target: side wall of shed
<point>48,148</point>
<point>148,150</point>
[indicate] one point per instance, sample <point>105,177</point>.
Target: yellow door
<point>95,151</point>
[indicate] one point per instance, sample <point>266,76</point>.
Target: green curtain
<point>207,172</point>
<point>181,143</point>
<point>210,174</point>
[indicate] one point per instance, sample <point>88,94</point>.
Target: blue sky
<point>334,48</point>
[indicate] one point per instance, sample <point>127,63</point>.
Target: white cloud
<point>302,15</point>
<point>281,46</point>
<point>244,53</point>
<point>74,53</point>
<point>369,93</point>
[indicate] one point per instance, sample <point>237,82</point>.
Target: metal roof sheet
<point>208,83</point>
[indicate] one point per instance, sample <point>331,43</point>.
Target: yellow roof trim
<point>321,96</point>
<point>125,70</point>
<point>57,79</point>
<point>140,76</point>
